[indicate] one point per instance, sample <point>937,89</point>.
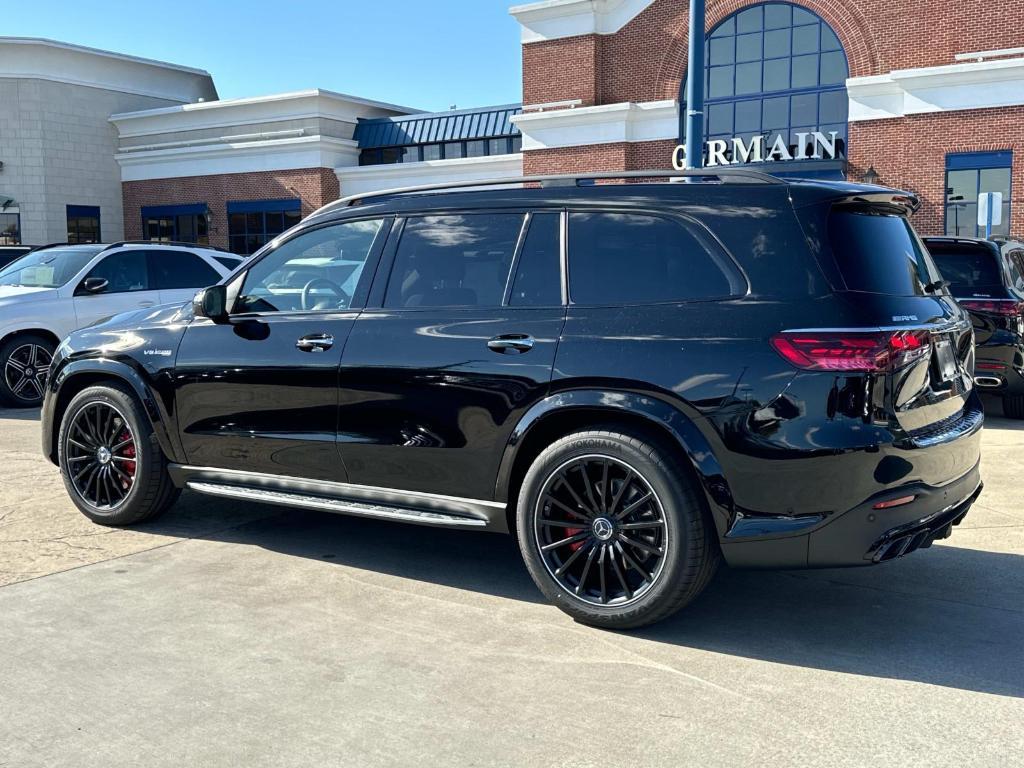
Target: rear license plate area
<point>946,360</point>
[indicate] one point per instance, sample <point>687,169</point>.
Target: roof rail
<point>722,175</point>
<point>58,245</point>
<point>175,243</point>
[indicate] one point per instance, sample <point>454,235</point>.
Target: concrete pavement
<point>245,635</point>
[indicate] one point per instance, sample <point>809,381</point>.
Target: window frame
<point>262,208</point>
<point>172,212</point>
<point>103,257</point>
<point>78,212</point>
<point>366,279</point>
<point>16,213</point>
<point>698,230</point>
<point>976,162</point>
<point>385,271</point>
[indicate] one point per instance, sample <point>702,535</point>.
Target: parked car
<point>638,380</point>
<point>9,253</point>
<point>987,278</point>
<point>49,292</point>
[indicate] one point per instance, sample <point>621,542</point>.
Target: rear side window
<point>880,253</point>
<point>969,269</point>
<point>169,270</point>
<point>626,258</point>
<point>538,280</point>
<point>458,260</point>
<point>227,263</point>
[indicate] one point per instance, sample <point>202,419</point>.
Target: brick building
<point>916,94</point>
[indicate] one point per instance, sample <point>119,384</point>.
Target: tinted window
<point>968,269</point>
<point>619,258</point>
<point>538,279</point>
<point>317,270</point>
<point>125,271</point>
<point>454,261</point>
<point>229,263</point>
<point>169,270</point>
<point>880,254</point>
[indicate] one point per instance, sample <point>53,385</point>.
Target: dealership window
<point>177,223</point>
<point>254,223</point>
<point>504,145</point>
<point>83,223</point>
<point>968,175</point>
<point>10,226</point>
<point>773,70</point>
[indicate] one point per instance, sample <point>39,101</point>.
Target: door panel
<point>260,393</point>
<point>249,398</point>
<point>433,384</point>
<point>426,405</point>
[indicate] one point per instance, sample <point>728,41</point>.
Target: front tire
<point>24,366</point>
<point>611,532</point>
<point>110,460</point>
<point>1013,406</point>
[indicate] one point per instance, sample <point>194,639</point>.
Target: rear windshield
<point>969,269</point>
<point>878,252</point>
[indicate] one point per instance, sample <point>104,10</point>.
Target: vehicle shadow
<point>19,414</point>
<point>946,616</point>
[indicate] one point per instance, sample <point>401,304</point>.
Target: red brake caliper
<point>127,452</point>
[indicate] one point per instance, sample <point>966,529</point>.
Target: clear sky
<point>418,53</point>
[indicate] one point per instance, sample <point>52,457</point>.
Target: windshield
<point>879,252</point>
<point>49,268</point>
<point>969,268</point>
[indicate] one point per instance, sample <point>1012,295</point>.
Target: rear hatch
<point>897,320</point>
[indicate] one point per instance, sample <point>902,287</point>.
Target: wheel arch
<point>46,333</point>
<point>566,412</point>
<point>76,376</point>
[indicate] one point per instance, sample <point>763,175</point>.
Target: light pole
<point>695,88</point>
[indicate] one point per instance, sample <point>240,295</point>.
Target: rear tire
<point>110,460</point>
<point>1013,406</point>
<point>24,367</point>
<point>612,532</point>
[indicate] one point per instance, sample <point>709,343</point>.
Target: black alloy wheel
<point>601,530</point>
<point>25,371</point>
<point>101,456</point>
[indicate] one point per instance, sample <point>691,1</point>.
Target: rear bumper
<point>999,368</point>
<point>865,535</point>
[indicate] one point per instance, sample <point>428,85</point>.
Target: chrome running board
<point>340,506</point>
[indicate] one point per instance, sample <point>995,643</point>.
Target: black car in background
<point>9,253</point>
<point>987,278</point>
<point>638,380</point>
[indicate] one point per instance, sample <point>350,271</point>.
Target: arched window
<point>774,69</point>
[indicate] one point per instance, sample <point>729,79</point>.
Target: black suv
<point>637,379</point>
<point>987,278</point>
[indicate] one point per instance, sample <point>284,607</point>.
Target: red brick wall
<point>646,59</point>
<point>910,153</point>
<point>314,186</point>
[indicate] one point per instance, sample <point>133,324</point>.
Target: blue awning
<point>455,125</point>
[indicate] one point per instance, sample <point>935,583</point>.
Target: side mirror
<point>95,285</point>
<point>212,303</point>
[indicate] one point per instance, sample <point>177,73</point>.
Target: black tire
<point>24,365</point>
<point>148,492</point>
<point>686,539</point>
<point>1013,406</point>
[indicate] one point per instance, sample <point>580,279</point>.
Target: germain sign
<point>813,145</point>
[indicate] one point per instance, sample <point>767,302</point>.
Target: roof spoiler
<point>906,202</point>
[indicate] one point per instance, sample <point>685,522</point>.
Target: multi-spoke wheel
<point>25,362</point>
<point>110,459</point>
<point>601,530</point>
<point>101,456</point>
<point>613,531</point>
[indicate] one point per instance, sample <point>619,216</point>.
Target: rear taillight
<point>851,351</point>
<point>1001,307</point>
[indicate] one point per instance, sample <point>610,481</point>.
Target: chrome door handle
<point>315,342</point>
<point>511,344</point>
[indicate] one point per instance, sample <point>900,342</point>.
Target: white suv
<point>52,291</point>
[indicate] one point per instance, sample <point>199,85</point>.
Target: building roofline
<point>444,113</point>
<point>100,52</point>
<point>267,99</point>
